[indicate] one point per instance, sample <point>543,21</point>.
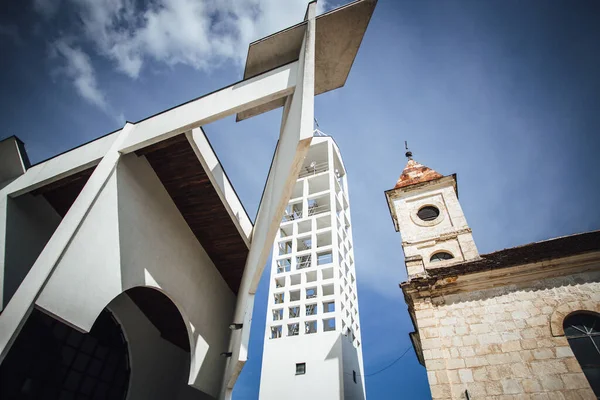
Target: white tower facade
<point>312,339</point>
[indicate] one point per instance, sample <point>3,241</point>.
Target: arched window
<point>583,333</point>
<point>441,256</point>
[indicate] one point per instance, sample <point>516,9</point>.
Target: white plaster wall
<point>352,361</point>
<point>159,369</point>
<point>135,236</point>
<point>30,222</point>
<point>11,164</point>
<point>322,354</point>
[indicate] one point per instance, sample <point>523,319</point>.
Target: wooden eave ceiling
<point>62,193</point>
<point>184,178</point>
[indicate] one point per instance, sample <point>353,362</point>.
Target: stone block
<point>520,314</point>
<point>440,391</point>
<point>480,374</point>
<point>477,390</point>
<point>476,362</point>
<point>431,377</point>
<point>495,359</point>
<point>466,352</point>
<point>440,376</point>
<point>564,351</point>
<point>514,345</point>
<point>465,375</point>
<point>499,372</point>
<point>434,365</point>
<point>511,386</point>
<point>493,388</point>
<point>551,382</point>
<point>548,367</point>
<point>453,376</point>
<point>455,363</point>
<point>520,370</point>
<point>575,381</point>
<point>479,328</point>
<point>531,386</point>
<point>529,344</point>
<point>543,354</point>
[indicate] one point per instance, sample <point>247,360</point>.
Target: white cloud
<point>78,67</point>
<point>201,34</point>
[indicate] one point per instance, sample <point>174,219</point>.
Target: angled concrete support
<point>17,310</point>
<point>294,141</point>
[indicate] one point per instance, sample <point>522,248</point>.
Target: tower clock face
<point>428,213</point>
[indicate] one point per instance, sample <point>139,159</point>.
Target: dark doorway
<point>50,360</point>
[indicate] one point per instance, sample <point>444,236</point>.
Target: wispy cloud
<point>77,66</point>
<point>201,34</point>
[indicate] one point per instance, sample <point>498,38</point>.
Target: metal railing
<point>313,169</point>
<point>314,210</point>
<point>291,216</point>
<point>303,262</point>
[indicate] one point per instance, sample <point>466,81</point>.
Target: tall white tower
<point>312,342</point>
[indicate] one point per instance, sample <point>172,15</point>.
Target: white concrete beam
<point>294,141</point>
<point>60,166</point>
<point>17,310</point>
<point>220,182</point>
<point>241,96</point>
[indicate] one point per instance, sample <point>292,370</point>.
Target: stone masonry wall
<point>498,343</point>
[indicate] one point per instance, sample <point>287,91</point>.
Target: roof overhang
<point>339,34</point>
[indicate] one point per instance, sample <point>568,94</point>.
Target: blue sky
<point>504,93</point>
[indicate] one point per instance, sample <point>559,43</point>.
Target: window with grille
<point>583,333</point>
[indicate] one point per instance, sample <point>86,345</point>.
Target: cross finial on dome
<point>408,153</point>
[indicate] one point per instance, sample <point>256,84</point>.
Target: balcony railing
<point>314,210</point>
<point>313,169</point>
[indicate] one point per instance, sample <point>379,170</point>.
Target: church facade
<point>519,323</point>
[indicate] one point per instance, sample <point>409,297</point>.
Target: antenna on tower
<point>317,131</point>
<point>408,153</point>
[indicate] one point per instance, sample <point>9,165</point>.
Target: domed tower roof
<point>415,173</point>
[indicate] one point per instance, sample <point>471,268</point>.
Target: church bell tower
<point>425,210</point>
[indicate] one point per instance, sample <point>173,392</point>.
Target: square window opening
<point>285,247</point>
<point>327,273</point>
<point>311,293</point>
<point>295,279</point>
<point>327,290</point>
<point>324,239</point>
<point>284,265</point>
<point>310,327</point>
<point>300,368</point>
<point>303,261</point>
<point>294,295</point>
<point>279,298</point>
<point>325,257</point>
<point>323,222</point>
<point>293,329</point>
<point>311,276</point>
<point>294,312</point>
<point>311,309</point>
<point>279,282</point>
<point>304,243</point>
<point>304,227</point>
<point>329,306</point>
<point>278,314</point>
<point>275,332</point>
<point>329,324</point>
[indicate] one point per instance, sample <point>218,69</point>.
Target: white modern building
<point>312,345</point>
<point>128,265</point>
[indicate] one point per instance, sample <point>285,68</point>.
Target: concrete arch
<point>563,310</point>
